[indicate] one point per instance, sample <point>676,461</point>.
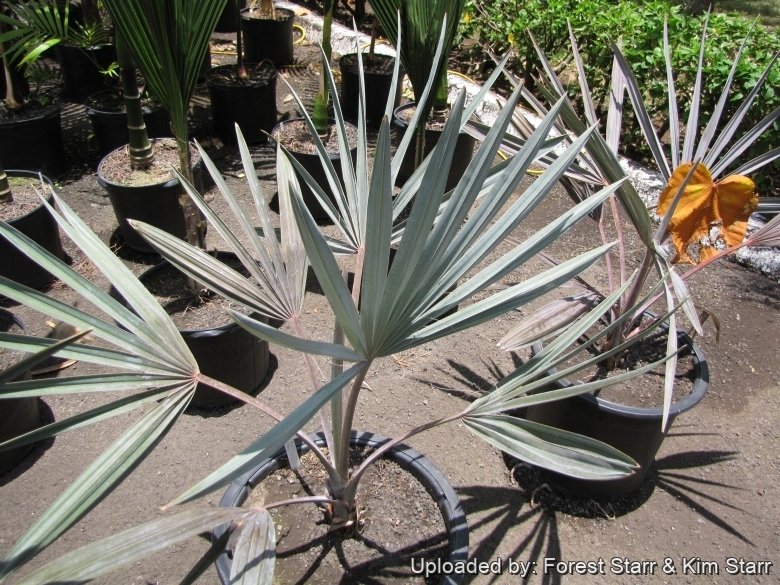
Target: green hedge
<point>501,24</point>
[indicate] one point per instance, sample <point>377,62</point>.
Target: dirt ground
<point>708,509</point>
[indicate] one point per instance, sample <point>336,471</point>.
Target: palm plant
<point>704,212</point>
<point>423,23</point>
<point>167,42</point>
<point>444,243</point>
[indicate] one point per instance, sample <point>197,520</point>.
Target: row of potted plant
<point>439,282</point>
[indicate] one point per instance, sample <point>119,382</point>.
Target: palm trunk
<point>140,148</point>
<point>5,188</point>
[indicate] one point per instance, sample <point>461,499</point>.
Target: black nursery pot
<point>464,150</point>
<point>251,104</point>
<point>80,76</point>
<point>313,165</point>
<point>378,79</point>
<point>229,17</point>
<point>266,39</point>
<point>41,227</point>
<point>156,204</point>
<point>110,124</point>
<point>228,20</point>
<point>17,415</point>
<point>636,431</point>
<point>34,143</point>
<point>227,353</point>
<point>418,465</point>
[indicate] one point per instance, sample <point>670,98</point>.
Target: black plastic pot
<point>81,77</point>
<point>40,226</point>
<point>377,82</point>
<point>419,466</point>
<point>313,165</point>
<point>110,126</point>
<point>636,431</point>
<point>228,21</point>
<point>156,204</point>
<point>34,143</point>
<point>266,39</point>
<point>17,415</point>
<point>227,353</point>
<point>464,150</point>
<point>250,104</point>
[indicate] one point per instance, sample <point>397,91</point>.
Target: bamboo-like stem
<point>6,196</point>
<point>240,67</point>
<point>140,148</point>
<point>13,97</point>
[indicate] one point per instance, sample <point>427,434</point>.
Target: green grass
<point>767,11</point>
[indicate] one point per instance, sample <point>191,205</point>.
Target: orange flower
<point>709,215</point>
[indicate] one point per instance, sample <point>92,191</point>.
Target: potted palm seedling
<point>390,308</point>
<point>704,208</point>
<point>30,115</point>
<point>295,133</point>
<point>83,45</point>
<point>377,77</point>
<point>166,41</point>
<point>168,44</point>
<point>421,22</point>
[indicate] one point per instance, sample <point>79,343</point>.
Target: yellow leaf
<point>709,216</point>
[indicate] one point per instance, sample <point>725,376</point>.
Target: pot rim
<point>434,481</point>
<point>245,14</point>
<point>90,110</point>
<point>700,386</point>
<point>31,174</point>
<point>203,332</point>
<point>52,111</point>
<point>331,121</point>
<point>105,183</point>
<point>266,64</point>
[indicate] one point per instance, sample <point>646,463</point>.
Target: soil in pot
<point>464,147</point>
<point>266,38</point>
<point>106,111</point>
<point>628,416</point>
<point>31,138</point>
<point>402,528</point>
<point>27,214</point>
<point>223,349</point>
<point>295,136</point>
<point>378,77</point>
<point>150,195</point>
<point>250,102</point>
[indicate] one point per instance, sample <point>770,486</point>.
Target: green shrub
<point>502,25</point>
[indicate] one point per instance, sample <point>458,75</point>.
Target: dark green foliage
<point>640,26</point>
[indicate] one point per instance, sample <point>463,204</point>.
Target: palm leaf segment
<point>155,370</point>
<point>168,42</point>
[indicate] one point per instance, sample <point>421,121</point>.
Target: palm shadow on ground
<point>537,500</point>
